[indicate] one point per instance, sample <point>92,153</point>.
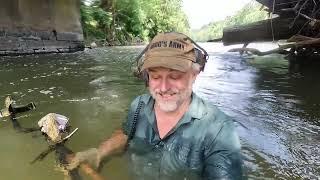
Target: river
<point>276,107</point>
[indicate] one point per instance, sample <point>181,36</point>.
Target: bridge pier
<point>38,26</point>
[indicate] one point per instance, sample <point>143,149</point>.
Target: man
<point>172,133</point>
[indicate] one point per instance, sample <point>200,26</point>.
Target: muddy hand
<point>90,156</point>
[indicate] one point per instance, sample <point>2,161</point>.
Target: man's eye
<point>155,77</point>
<point>175,77</point>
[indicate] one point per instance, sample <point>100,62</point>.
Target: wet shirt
<point>203,144</point>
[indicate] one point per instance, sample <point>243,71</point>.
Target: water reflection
<point>274,103</point>
<point>291,114</point>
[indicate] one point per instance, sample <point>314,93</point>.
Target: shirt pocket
<point>140,146</point>
<point>188,154</point>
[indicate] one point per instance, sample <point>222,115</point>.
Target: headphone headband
<point>200,54</point>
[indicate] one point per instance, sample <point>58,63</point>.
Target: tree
<point>122,21</point>
<point>249,13</point>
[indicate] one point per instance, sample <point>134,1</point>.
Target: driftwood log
<point>297,42</point>
<point>64,154</point>
<point>261,31</point>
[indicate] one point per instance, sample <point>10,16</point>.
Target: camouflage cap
<point>170,50</point>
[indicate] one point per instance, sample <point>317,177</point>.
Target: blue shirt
<point>203,144</point>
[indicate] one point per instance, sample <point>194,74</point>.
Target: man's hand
<point>90,156</point>
<point>114,145</point>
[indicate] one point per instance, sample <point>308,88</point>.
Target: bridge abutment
<point>40,26</point>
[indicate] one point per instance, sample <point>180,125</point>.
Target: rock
<point>93,45</point>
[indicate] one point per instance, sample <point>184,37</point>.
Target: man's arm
<point>115,144</point>
<point>223,156</point>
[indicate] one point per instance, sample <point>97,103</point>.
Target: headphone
<point>200,54</point>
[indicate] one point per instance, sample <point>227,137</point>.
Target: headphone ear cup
<point>201,58</point>
<point>145,78</point>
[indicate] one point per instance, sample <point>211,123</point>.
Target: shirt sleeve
<point>222,154</point>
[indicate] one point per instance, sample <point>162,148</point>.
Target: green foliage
<point>94,20</point>
<point>248,14</point>
<point>123,21</point>
<point>128,21</point>
<point>164,15</point>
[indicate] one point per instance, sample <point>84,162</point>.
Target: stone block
<point>12,52</point>
<point>55,44</point>
<point>22,45</point>
<point>2,32</point>
<point>2,53</point>
<point>31,37</point>
<point>46,35</point>
<point>69,36</point>
<point>34,44</point>
<point>25,51</point>
<point>19,32</point>
<point>7,43</point>
<point>46,50</point>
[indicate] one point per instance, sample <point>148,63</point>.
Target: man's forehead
<point>163,69</point>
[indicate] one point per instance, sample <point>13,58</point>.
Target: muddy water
<point>276,108</point>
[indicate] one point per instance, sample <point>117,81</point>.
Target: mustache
<point>167,92</point>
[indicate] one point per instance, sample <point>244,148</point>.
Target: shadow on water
<point>274,102</point>
<point>286,102</point>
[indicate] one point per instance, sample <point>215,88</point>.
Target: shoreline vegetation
<point>249,13</point>
<point>120,22</point>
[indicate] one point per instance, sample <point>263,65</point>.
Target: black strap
<point>135,119</point>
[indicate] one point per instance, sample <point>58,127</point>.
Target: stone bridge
<point>40,26</point>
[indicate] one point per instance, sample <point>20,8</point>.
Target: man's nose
<point>164,86</point>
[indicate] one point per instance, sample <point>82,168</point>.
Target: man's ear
<point>196,72</point>
<point>194,76</point>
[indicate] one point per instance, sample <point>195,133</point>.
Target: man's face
<point>170,88</point>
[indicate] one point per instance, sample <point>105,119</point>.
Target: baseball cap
<point>170,50</point>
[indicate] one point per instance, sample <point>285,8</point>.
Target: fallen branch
<point>313,41</point>
<point>309,18</point>
<point>65,156</point>
<point>294,9</point>
<point>298,13</point>
<point>54,127</point>
<point>244,46</point>
<point>298,38</point>
<point>256,51</point>
<point>299,42</point>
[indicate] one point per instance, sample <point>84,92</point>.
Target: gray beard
<point>170,106</point>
